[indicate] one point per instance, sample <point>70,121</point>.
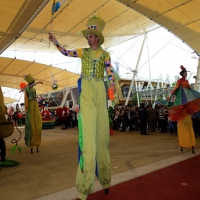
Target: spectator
<point>143,117</point>
<point>124,118</point>
<point>116,119</point>
<point>152,118</point>
<point>130,116</point>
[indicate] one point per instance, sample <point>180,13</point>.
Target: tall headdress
<point>95,26</point>
<point>29,79</point>
<point>183,69</point>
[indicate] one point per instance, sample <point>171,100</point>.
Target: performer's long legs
<point>186,133</point>
<point>95,138</point>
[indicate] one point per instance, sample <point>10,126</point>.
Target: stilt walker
<point>33,120</point>
<point>182,104</point>
<point>93,120</point>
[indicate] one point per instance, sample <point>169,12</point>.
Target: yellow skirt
<point>186,134</point>
<point>33,125</point>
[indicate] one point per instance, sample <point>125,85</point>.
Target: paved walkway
<point>50,174</point>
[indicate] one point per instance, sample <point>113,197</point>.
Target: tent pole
<point>196,85</point>
<point>135,71</point>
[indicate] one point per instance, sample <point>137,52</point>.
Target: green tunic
<point>33,120</point>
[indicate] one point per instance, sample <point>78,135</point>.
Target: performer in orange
<point>184,102</point>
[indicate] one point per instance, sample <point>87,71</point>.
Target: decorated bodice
<point>183,83</point>
<point>31,93</point>
<point>93,67</point>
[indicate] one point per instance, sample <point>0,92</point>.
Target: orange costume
<point>184,102</point>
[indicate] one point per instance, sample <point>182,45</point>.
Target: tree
<point>134,99</point>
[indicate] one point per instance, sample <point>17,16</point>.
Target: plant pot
<point>6,129</point>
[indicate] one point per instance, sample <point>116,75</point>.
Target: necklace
<point>94,54</point>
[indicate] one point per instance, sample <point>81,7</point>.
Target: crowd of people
<point>69,120</point>
<point>146,118</point>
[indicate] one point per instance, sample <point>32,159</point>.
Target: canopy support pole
<point>135,71</point>
<point>196,85</point>
<point>67,91</point>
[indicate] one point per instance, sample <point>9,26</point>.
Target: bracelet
<point>112,82</point>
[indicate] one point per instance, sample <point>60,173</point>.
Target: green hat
<point>29,79</point>
<point>95,26</point>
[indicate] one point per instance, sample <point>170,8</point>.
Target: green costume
<point>33,120</point>
<point>94,136</point>
<point>93,120</point>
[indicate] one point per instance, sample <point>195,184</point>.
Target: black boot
<point>31,150</point>
<point>106,191</point>
<point>37,149</point>
<point>193,149</point>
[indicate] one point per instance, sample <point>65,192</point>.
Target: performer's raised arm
<point>71,53</point>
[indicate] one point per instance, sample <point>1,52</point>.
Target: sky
<point>162,55</point>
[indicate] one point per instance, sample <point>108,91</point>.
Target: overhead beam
<point>188,36</point>
<point>26,14</point>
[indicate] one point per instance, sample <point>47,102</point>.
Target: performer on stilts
<point>183,103</point>
<point>33,120</point>
<point>93,121</point>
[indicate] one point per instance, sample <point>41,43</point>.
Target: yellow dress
<point>186,134</point>
<point>33,120</point>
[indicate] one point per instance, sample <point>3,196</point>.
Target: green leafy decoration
<point>19,149</point>
<point>135,99</point>
<point>13,149</point>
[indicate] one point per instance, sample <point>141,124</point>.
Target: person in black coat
<point>130,116</point>
<point>124,118</point>
<point>143,117</point>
